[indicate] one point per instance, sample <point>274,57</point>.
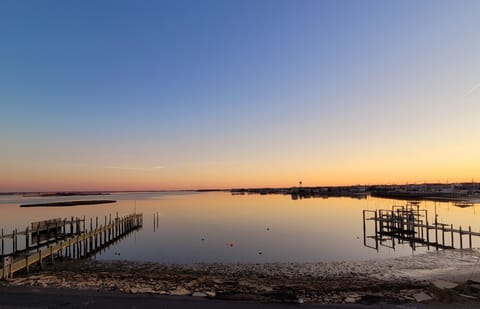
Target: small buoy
<point>268,229</point>
<point>203,239</point>
<point>260,252</point>
<point>231,244</point>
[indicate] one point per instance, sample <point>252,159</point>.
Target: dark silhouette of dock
<point>409,224</point>
<point>46,240</point>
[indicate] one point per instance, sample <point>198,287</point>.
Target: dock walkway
<point>50,239</point>
<point>409,224</point>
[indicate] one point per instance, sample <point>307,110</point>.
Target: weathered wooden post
<point>91,235</point>
<point>5,262</point>
<point>27,266</point>
<point>40,262</point>
<point>470,236</point>
<point>451,235</point>
<point>421,229</point>
<point>75,245</point>
<point>3,244</point>
<point>96,232</point>
<point>72,246</point>
<point>10,272</point>
<point>7,267</point>
<point>376,230</point>
<point>380,216</point>
<point>85,240</point>
<point>27,234</point>
<point>56,230</point>
<point>116,226</point>
<point>105,231</point>
<point>443,235</point>
<point>38,237</point>
<point>427,231</point>
<point>461,238</point>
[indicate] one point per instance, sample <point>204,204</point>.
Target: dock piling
<point>407,224</point>
<point>56,240</point>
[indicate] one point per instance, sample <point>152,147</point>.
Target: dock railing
<point>409,224</point>
<point>66,238</point>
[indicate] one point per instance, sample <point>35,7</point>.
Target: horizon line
<point>232,188</point>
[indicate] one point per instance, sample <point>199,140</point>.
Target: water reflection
<point>185,227</point>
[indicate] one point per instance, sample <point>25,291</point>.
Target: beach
<point>448,276</point>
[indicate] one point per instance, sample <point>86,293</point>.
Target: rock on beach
<point>423,278</point>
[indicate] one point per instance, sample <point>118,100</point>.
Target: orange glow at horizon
<point>64,179</point>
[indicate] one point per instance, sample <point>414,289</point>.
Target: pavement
<point>22,297</point>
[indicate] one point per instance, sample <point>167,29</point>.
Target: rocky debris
<point>179,291</point>
<point>329,283</point>
<point>211,294</point>
<point>421,297</point>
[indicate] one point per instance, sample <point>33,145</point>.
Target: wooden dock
<point>46,240</point>
<point>409,224</point>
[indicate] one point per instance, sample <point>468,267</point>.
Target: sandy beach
<point>448,276</point>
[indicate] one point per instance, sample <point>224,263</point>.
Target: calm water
<point>219,227</point>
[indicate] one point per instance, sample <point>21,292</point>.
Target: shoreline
<point>399,280</point>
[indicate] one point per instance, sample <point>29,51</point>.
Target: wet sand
<point>449,276</point>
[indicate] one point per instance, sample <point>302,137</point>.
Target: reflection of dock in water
<point>47,240</point>
<point>409,225</point>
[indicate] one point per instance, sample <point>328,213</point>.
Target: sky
<point>160,95</point>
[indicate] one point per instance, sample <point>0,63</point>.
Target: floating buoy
<point>260,252</point>
<point>231,244</point>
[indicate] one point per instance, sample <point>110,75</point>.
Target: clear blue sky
<point>174,94</point>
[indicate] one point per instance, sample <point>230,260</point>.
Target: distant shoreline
<point>69,203</point>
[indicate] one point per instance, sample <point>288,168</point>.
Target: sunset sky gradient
<point>146,95</point>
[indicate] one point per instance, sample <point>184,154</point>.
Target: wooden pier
<point>46,240</point>
<point>409,224</point>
